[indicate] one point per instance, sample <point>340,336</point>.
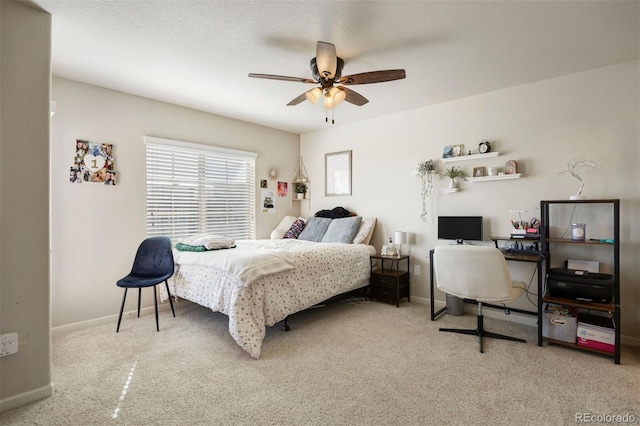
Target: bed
<point>258,283</point>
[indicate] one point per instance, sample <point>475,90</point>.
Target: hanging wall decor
<point>93,163</point>
<point>425,171</point>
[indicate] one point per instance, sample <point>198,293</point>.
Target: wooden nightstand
<point>390,283</point>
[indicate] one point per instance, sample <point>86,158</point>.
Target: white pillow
<point>210,241</point>
<point>283,226</point>
<point>366,231</point>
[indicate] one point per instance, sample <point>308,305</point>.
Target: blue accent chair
<point>153,265</point>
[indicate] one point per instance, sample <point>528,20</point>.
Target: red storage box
<point>594,344</point>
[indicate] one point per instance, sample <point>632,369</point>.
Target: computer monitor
<point>460,228</point>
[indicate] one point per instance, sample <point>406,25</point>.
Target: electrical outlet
<point>416,269</point>
<point>8,344</point>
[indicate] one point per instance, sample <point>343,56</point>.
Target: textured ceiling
<point>198,53</point>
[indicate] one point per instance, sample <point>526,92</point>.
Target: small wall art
<point>267,201</point>
<point>283,189</point>
<point>93,163</point>
<point>447,151</point>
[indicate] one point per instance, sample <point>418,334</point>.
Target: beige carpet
<point>345,364</point>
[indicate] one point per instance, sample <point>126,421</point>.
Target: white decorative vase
<point>300,195</point>
<point>453,184</point>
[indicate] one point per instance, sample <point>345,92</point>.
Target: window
<point>195,189</point>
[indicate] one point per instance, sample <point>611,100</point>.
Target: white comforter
<point>272,279</point>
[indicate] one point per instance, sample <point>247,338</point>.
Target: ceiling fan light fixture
<point>328,101</point>
<point>313,95</point>
<point>337,94</point>
<point>333,97</point>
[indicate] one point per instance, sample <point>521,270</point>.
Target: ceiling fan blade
<point>297,100</point>
<point>283,78</point>
<point>353,96</point>
<point>326,59</point>
<point>373,77</point>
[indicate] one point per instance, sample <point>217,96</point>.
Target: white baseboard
<point>112,319</point>
<point>630,341</point>
<point>26,398</point>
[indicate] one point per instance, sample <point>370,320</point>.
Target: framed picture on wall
<point>447,151</point>
<point>478,171</point>
<point>93,163</point>
<point>337,173</point>
<point>511,167</point>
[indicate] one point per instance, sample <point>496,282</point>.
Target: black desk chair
<point>153,264</point>
<point>479,273</point>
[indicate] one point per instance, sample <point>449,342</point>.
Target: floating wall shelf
<point>497,177</point>
<point>470,157</point>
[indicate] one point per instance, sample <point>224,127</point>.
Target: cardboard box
<point>559,325</point>
<point>596,333</point>
<point>594,344</point>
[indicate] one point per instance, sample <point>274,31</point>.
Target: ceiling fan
<point>326,69</point>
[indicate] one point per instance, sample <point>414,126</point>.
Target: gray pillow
<point>314,229</point>
<point>342,230</point>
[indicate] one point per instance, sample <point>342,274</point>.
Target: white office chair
<point>479,273</point>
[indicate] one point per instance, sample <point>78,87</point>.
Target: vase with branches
<point>425,171</point>
<point>577,167</point>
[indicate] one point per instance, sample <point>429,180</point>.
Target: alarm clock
<point>484,147</point>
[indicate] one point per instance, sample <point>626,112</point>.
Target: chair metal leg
<point>503,337</point>
<point>480,331</point>
<point>155,304</point>
<point>169,293</point>
<point>480,327</point>
<point>121,309</point>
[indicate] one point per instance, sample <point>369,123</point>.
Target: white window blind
<point>195,189</point>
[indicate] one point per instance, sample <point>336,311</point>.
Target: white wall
<point>96,229</point>
<point>24,194</point>
<point>594,113</point>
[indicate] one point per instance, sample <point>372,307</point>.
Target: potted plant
<point>425,171</point>
<point>453,173</point>
<point>301,189</point>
